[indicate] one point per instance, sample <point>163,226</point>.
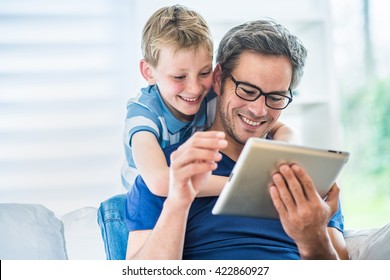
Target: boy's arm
<point>151,162</point>
<point>152,165</point>
<point>214,186</point>
<point>285,133</point>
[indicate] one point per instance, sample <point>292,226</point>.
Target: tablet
<point>246,192</point>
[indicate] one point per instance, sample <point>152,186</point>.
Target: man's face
<point>242,119</point>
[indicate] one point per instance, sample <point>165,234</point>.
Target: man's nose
<point>258,107</point>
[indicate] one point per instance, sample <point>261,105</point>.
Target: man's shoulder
<point>211,95</point>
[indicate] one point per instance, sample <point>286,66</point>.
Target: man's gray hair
<point>265,37</point>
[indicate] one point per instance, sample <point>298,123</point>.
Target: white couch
<point>31,231</point>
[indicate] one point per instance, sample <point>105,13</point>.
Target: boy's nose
<point>194,86</point>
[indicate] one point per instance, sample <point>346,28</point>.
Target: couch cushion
<point>30,232</point>
<point>82,235</point>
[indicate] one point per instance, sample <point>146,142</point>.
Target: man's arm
<point>165,241</point>
<point>304,214</point>
<point>338,243</point>
<point>191,166</point>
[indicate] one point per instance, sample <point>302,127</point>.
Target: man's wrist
<point>321,249</point>
<point>175,206</point>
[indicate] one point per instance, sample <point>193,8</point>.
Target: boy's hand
<point>192,163</point>
<point>287,134</point>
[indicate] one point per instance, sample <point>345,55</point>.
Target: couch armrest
<point>369,244</point>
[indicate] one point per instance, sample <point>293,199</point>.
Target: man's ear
<point>217,79</point>
<point>147,72</point>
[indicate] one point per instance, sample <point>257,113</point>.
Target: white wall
<point>68,67</point>
<point>64,82</point>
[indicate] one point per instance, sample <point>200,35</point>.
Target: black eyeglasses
<point>248,92</point>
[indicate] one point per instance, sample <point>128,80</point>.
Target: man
<point>259,63</point>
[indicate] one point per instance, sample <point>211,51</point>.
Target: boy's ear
<point>147,72</point>
<point>217,79</point>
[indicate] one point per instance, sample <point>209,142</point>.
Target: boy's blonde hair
<point>174,26</point>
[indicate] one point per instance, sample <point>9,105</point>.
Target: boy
<point>178,51</point>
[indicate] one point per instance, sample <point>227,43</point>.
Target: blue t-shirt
<point>217,237</point>
<point>148,112</point>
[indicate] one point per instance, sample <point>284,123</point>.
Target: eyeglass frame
<point>261,93</point>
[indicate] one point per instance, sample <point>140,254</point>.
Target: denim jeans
<point>111,219</point>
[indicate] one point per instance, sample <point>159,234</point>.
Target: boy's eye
<point>179,77</point>
<point>205,74</point>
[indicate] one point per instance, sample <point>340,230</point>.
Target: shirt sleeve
<point>140,118</point>
<point>143,208</point>
<point>337,220</point>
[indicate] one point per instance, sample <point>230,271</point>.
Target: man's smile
<point>251,122</point>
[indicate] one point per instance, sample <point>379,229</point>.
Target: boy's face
<point>241,119</point>
<point>183,78</point>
